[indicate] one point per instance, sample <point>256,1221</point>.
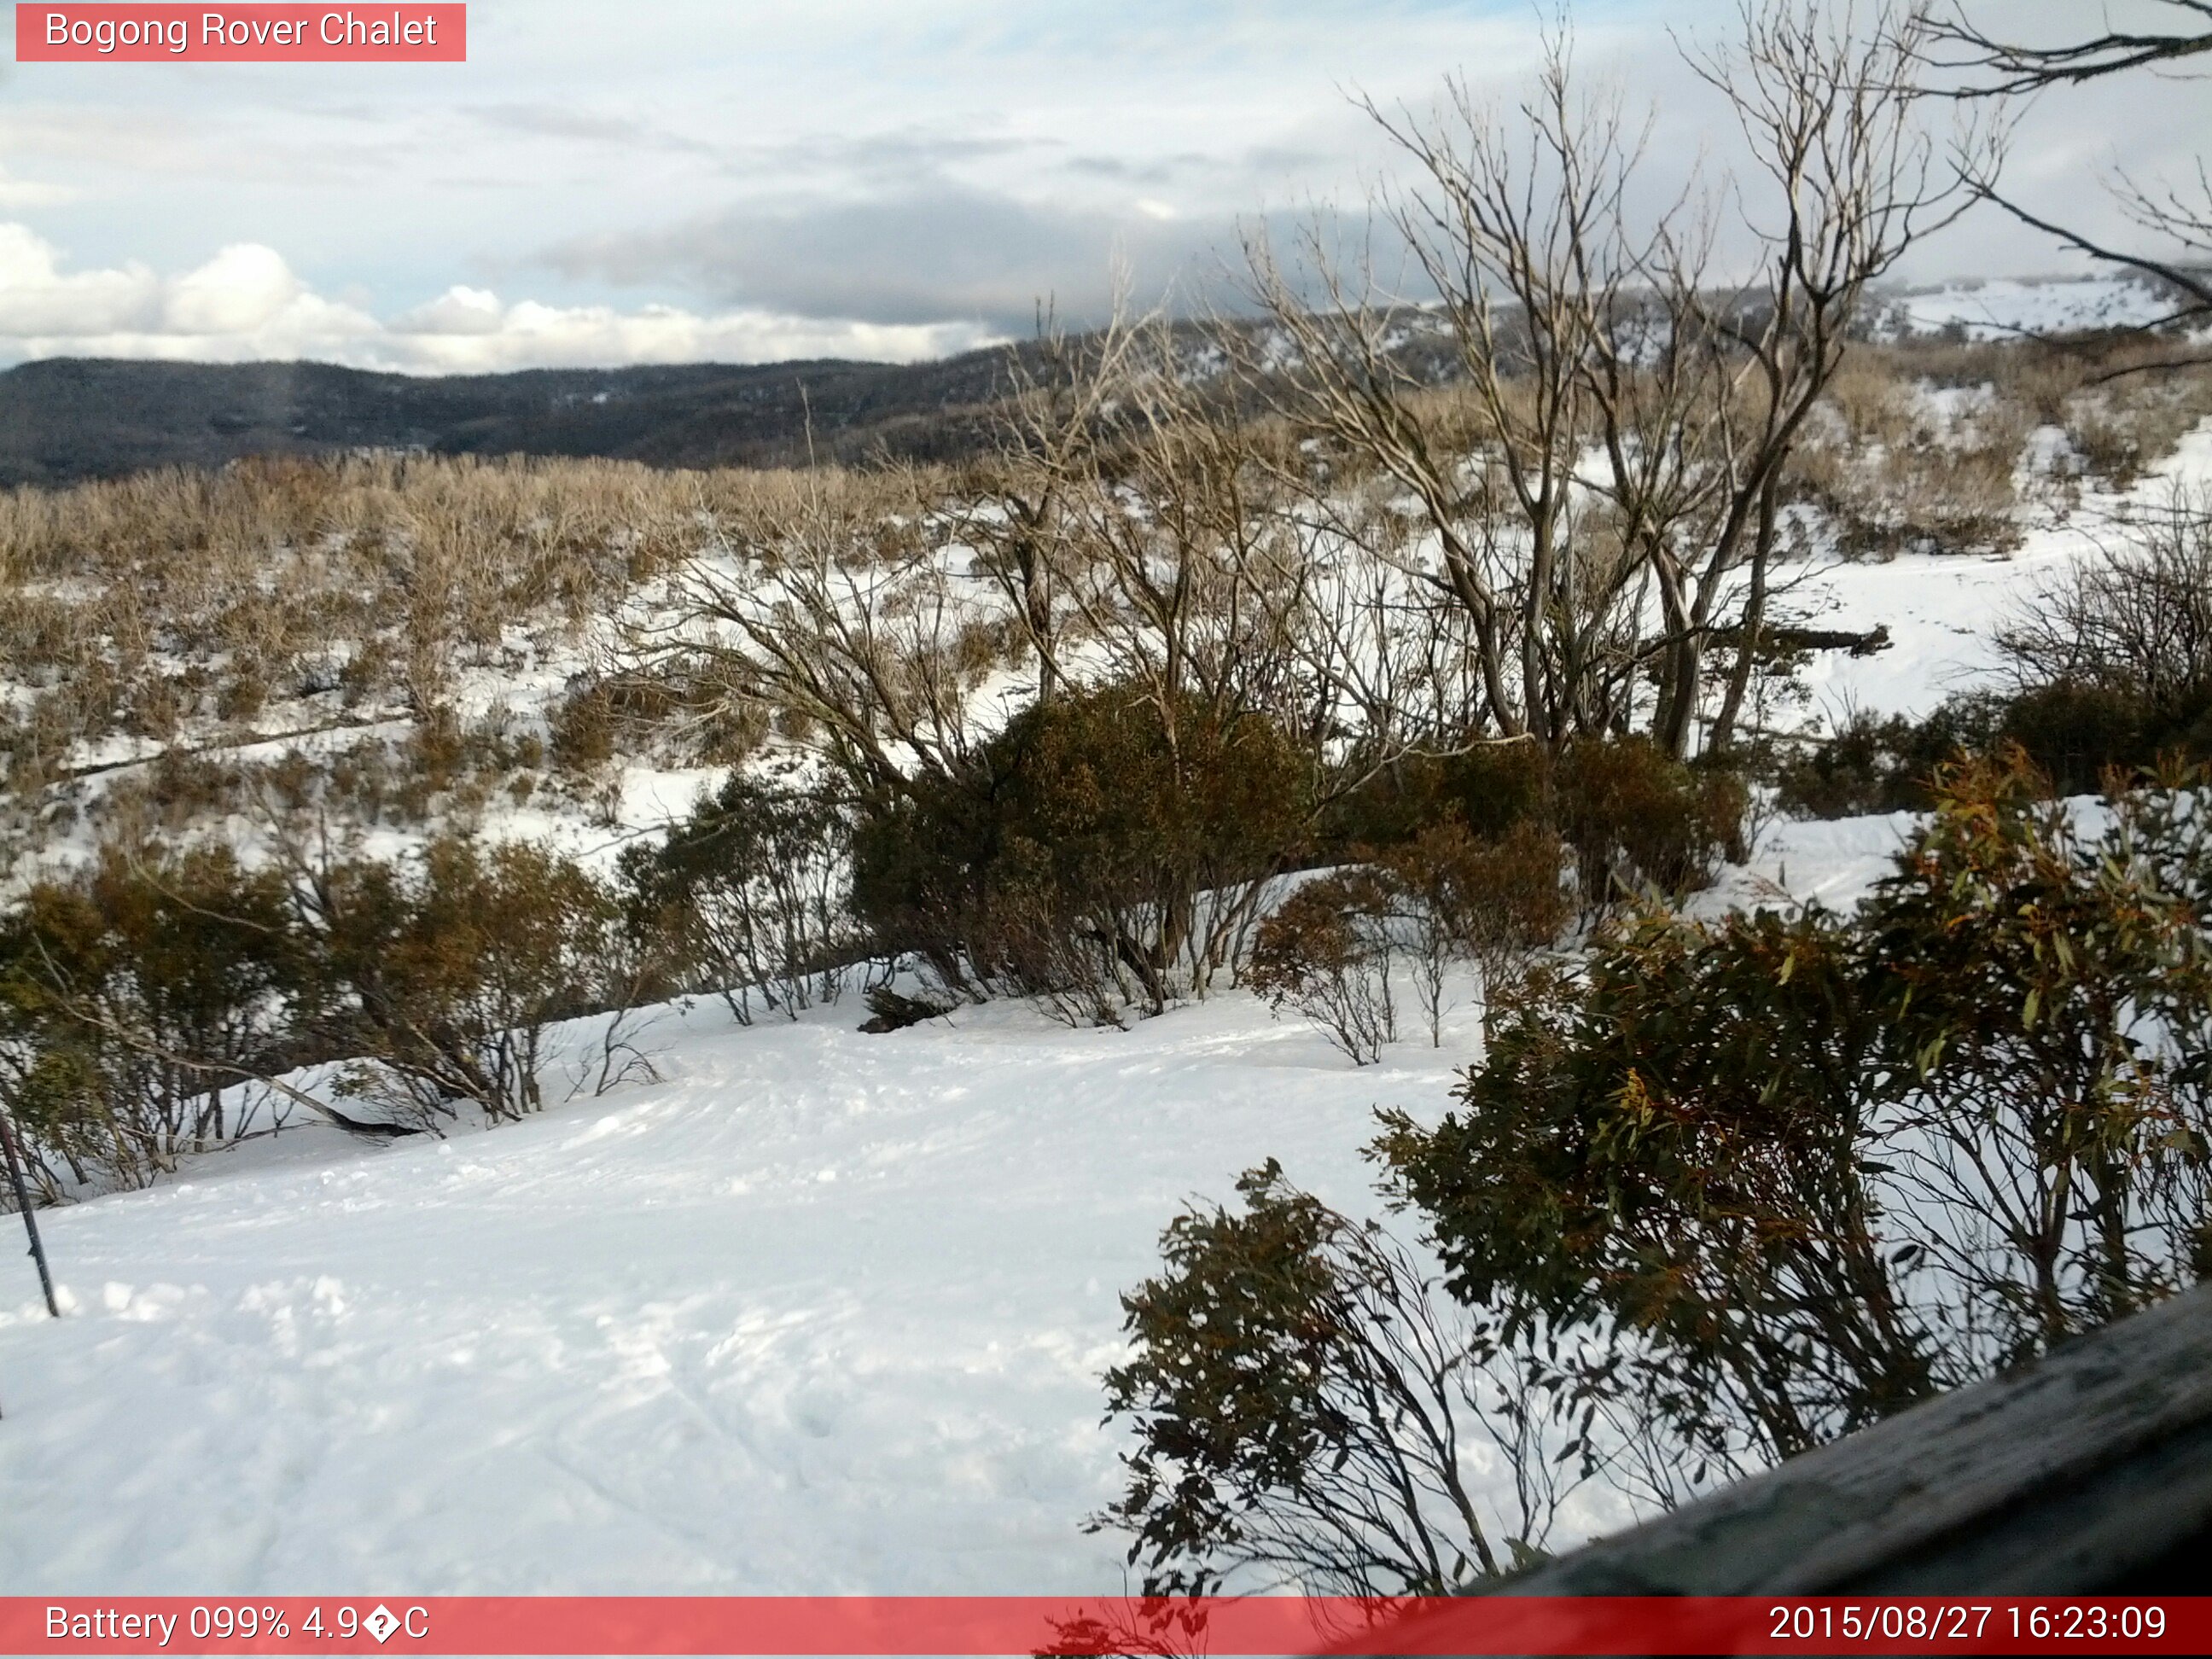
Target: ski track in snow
<point>822,1312</point>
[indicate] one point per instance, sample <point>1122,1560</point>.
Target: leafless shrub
<point>2136,619</point>
<point>1328,951</point>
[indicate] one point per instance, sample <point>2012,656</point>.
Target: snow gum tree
<point>1594,483</point>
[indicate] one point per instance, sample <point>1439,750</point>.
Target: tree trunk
<point>30,1221</point>
<point>1754,614</point>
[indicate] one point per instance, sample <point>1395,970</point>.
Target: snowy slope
<point>1942,609</point>
<point>822,1312</point>
<point>2006,308</point>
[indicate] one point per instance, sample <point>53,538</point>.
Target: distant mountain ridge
<point>68,418</point>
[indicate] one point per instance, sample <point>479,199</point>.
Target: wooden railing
<point>2088,1472</point>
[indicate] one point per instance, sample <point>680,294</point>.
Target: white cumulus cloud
<point>245,288</point>
<point>247,303</point>
<point>457,311</point>
<point>36,298</point>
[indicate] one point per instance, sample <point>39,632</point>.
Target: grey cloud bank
<point>933,252</point>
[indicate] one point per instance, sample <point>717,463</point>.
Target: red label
<point>169,1627</point>
<point>94,33</point>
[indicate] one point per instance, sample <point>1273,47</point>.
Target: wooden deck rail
<point>2089,1471</point>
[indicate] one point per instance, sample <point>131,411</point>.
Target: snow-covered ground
<point>820,1312</point>
<point>1942,609</point>
<point>2006,308</point>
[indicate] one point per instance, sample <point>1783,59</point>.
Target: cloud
<point>857,177</point>
<point>36,298</point>
<point>247,304</point>
<point>16,193</point>
<point>244,289</point>
<point>529,335</point>
<point>457,311</point>
<point>936,250</point>
<point>565,121</point>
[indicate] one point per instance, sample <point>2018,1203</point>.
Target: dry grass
<point>194,613</point>
<point>1925,444</point>
<point>1902,458</point>
<point>355,597</point>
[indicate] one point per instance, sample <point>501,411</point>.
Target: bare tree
<point>1827,100</point>
<point>828,604</point>
<point>1012,506</point>
<point>2016,67</point>
<point>1581,317</point>
<point>1518,227</point>
<point>1999,65</point>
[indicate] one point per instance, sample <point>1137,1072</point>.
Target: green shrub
<point>1095,854</point>
<point>2077,734</point>
<point>1639,820</point>
<point>753,889</point>
<point>134,994</point>
<point>1724,1192</point>
<point>1492,901</point>
<point>1327,950</point>
<point>147,1004</point>
<point>1884,765</point>
<point>1636,819</point>
<point>1306,1409</point>
<point>1487,789</point>
<point>446,977</point>
<point>1812,1169</point>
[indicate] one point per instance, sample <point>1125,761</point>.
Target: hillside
<point>63,419</point>
<point>821,1313</point>
<point>817,1312</point>
<point>787,1306</point>
<point>70,418</point>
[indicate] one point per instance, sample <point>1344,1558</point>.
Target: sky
<point>628,181</point>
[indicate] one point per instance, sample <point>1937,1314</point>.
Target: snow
<point>822,1312</point>
<point>1942,609</point>
<point>819,1313</point>
<point>1833,862</point>
<point>2007,308</point>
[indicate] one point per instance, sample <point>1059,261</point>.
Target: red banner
<point>367,33</point>
<point>1074,1625</point>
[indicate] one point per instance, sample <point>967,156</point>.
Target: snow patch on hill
<point>1944,609</point>
<point>2007,308</point>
